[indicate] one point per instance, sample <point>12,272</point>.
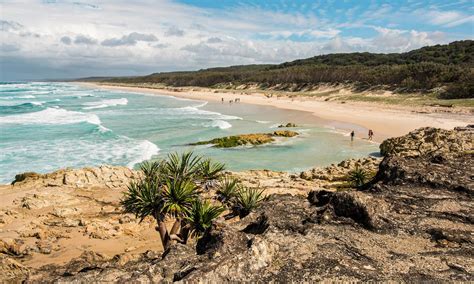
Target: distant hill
<point>447,68</point>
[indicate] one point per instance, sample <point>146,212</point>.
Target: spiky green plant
<point>178,197</point>
<point>358,177</point>
<point>144,198</point>
<point>183,166</point>
<point>168,189</point>
<point>210,170</point>
<point>201,216</point>
<point>151,170</point>
<point>227,189</point>
<point>248,199</point>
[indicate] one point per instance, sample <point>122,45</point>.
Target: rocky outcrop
<point>51,218</point>
<point>289,124</point>
<point>430,141</point>
<point>112,177</point>
<point>247,139</point>
<point>339,173</point>
<point>412,222</point>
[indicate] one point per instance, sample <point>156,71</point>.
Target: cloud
<point>66,40</point>
<point>174,31</point>
<point>122,36</point>
<point>447,18</point>
<point>7,26</point>
<point>214,40</point>
<point>394,40</point>
<point>5,47</point>
<point>129,40</point>
<point>82,39</point>
<point>161,45</point>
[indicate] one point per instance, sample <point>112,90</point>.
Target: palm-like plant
<point>248,199</point>
<point>167,189</point>
<point>144,198</point>
<point>209,170</point>
<point>227,189</point>
<point>178,197</point>
<point>151,170</point>
<point>201,216</point>
<point>181,166</point>
<point>358,177</point>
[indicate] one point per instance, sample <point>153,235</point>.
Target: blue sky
<point>76,38</point>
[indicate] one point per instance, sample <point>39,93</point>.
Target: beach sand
<point>385,120</point>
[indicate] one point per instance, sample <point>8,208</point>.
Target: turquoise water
<point>47,126</point>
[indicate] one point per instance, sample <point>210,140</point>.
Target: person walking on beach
<point>352,135</point>
<point>222,99</point>
<point>371,134</point>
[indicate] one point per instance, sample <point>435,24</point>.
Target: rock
<point>12,271</point>
<point>247,139</point>
<point>112,177</point>
<point>430,141</point>
<point>11,247</point>
<point>285,133</point>
<point>289,124</point>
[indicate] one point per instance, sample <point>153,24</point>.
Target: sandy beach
<point>385,120</point>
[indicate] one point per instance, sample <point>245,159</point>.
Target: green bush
<point>358,177</point>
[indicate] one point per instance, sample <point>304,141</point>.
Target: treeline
<point>447,67</point>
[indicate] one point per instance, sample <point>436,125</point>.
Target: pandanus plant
<point>248,199</point>
<point>168,189</point>
<point>358,176</point>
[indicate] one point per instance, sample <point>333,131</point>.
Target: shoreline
<point>384,120</point>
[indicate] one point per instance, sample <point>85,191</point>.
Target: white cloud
<point>448,18</point>
<point>64,36</point>
<point>130,39</point>
<point>82,39</point>
<point>174,31</point>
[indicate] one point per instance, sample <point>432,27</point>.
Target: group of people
<point>371,135</point>
<point>236,100</point>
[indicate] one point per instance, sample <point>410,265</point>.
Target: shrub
<point>358,177</point>
<point>227,189</point>
<point>209,170</point>
<point>247,200</point>
<point>201,217</point>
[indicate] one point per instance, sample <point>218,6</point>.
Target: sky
<point>55,39</point>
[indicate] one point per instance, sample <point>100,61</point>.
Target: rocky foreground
<point>412,222</point>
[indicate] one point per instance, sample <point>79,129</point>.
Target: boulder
<point>430,141</point>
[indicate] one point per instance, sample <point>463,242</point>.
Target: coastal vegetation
<point>176,189</point>
<point>246,139</point>
<point>170,189</point>
<point>358,176</point>
<point>444,70</point>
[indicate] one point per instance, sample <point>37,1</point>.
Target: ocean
<point>46,126</point>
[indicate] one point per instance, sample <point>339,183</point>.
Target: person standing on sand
<point>371,134</point>
<point>222,99</point>
<point>352,135</point>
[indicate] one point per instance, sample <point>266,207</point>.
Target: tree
<point>169,190</point>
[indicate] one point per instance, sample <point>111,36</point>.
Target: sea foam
<point>105,103</point>
<point>51,116</point>
<point>222,124</point>
<point>205,114</point>
<point>142,151</point>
